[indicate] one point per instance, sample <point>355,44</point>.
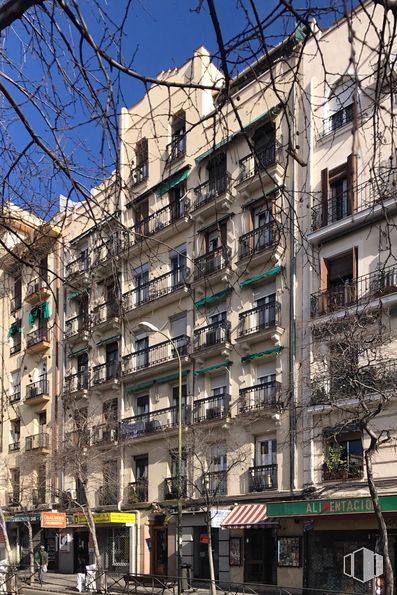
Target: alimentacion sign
<point>329,507</point>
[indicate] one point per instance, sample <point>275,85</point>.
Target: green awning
<point>217,146</point>
<point>174,180</point>
<point>212,298</point>
<point>162,380</point>
<point>78,352</point>
<point>73,295</point>
<point>43,308</point>
<point>14,329</point>
<point>252,356</point>
<point>225,364</point>
<point>270,273</point>
<point>108,340</point>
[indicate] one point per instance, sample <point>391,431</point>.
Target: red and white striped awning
<point>244,516</point>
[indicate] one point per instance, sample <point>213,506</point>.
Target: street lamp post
<point>148,326</point>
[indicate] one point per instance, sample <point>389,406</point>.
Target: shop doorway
<point>159,551</point>
<point>259,556</point>
<point>50,537</point>
<point>81,557</point>
<point>201,564</point>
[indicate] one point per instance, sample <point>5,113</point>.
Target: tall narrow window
<point>217,175</point>
<point>178,136</point>
<point>141,170</point>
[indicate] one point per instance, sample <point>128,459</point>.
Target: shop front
<point>18,535</point>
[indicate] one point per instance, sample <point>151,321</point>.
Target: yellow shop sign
<point>101,518</point>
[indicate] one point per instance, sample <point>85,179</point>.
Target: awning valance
<point>108,340</point>
<point>244,516</point>
<point>173,181</point>
<point>252,356</point>
<point>162,380</point>
<point>225,364</point>
<point>271,273</point>
<point>212,298</point>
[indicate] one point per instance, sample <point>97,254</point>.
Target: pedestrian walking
<point>41,560</point>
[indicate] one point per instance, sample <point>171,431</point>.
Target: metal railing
<point>211,408</point>
<point>175,487</point>
<point>210,190</point>
<point>139,173</point>
<point>257,240</point>
<point>160,219</point>
<point>156,288</point>
<point>36,336</point>
<point>77,266</point>
<point>363,289</point>
<point>211,262</point>
<point>76,382</point>
<point>212,334</point>
<point>153,421</point>
<point>338,119</point>
<point>106,312</point>
<point>107,495</point>
<point>106,251</point>
<point>344,471</point>
<point>216,483</point>
<point>260,318</point>
<point>16,395</point>
<point>259,160</point>
<point>336,208</point>
<point>155,354</point>
<point>16,303</point>
<point>105,372</point>
<point>259,396</point>
<point>177,147</point>
<point>13,446</point>
<point>76,325</point>
<point>37,389</point>
<point>105,433</point>
<point>36,441</point>
<point>137,491</point>
<point>35,285</point>
<point>16,347</point>
<point>262,477</point>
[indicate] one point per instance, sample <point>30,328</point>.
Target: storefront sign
<point>204,538</point>
<point>21,517</point>
<point>53,520</point>
<point>217,517</point>
<point>328,507</point>
<point>101,518</point>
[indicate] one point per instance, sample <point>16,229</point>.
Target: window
<point>178,325</point>
<point>343,457</point>
<point>142,405</point>
<point>41,483</point>
<point>141,468</point>
<point>141,171</point>
<point>17,294</point>
<point>141,280</point>
<point>16,336</point>
<point>142,351</point>
<point>340,104</point>
<point>15,431</point>
<point>15,487</point>
<point>266,311</point>
<point>264,141</point>
<point>217,475</point>
<point>112,360</point>
<point>110,412</point>
<point>339,193</point>
<point>338,277</point>
<point>141,214</point>
<point>217,174</point>
<point>42,421</point>
<point>177,201</point>
<point>175,404</point>
<point>178,266</point>
<point>82,370</point>
<point>43,269</point>
<point>177,147</point>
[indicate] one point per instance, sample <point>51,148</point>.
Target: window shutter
<point>324,196</point>
<point>352,180</point>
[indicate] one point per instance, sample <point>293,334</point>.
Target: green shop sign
<point>21,517</point>
<point>327,507</point>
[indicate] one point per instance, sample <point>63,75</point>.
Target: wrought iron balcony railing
<point>16,346</point>
<point>37,389</point>
<point>156,288</point>
<point>259,396</point>
<point>355,291</point>
<point>211,408</point>
<point>14,446</point>
<point>153,421</point>
<point>106,312</point>
<point>76,325</point>
<point>345,470</point>
<point>137,491</point>
<point>35,285</point>
<point>155,354</point>
<point>106,251</point>
<point>262,477</point>
<point>211,262</point>
<point>37,441</point>
<point>105,433</point>
<point>260,160</point>
<point>176,148</point>
<point>260,318</point>
<point>257,240</point>
<point>76,382</point>
<point>216,333</point>
<point>105,373</point>
<point>139,173</point>
<point>107,495</point>
<point>77,266</point>
<point>16,395</point>
<point>210,191</point>
<point>175,487</point>
<point>160,219</point>
<point>37,336</point>
<point>216,483</point>
<point>338,119</point>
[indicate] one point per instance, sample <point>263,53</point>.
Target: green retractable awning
<point>73,295</point>
<point>174,180</point>
<point>252,356</point>
<point>270,273</point>
<point>212,298</point>
<point>162,380</point>
<point>104,341</point>
<point>14,329</point>
<point>225,364</point>
<point>217,146</point>
<point>43,308</point>
<point>78,352</point>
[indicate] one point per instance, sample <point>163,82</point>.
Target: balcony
<point>153,421</point>
<point>213,196</point>
<point>77,271</point>
<point>77,439</point>
<point>211,408</point>
<point>38,290</point>
<point>216,483</point>
<point>163,220</point>
<point>16,347</point>
<point>107,496</point>
<point>14,446</point>
<point>14,498</point>
<point>257,242</point>
<point>76,383</point>
<point>338,119</point>
<point>15,396</point>
<point>262,320</point>
<point>211,263</point>
<point>37,393</point>
<point>263,168</point>
<point>139,174</point>
<point>105,434</point>
<point>176,149</point>
<point>175,487</point>
<point>137,491</point>
<point>259,396</point>
<point>105,374</point>
<point>77,328</point>
<point>37,341</point>
<point>39,443</point>
<point>211,336</point>
<point>155,355</point>
<point>355,292</point>
<point>107,315</point>
<point>262,478</point>
<point>164,285</point>
<point>105,256</point>
<point>346,470</point>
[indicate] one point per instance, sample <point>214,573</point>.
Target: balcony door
<point>266,313</point>
<point>262,218</point>
<point>112,359</point>
<point>142,352</point>
<point>82,370</point>
<point>217,174</point>
<point>178,266</point>
<point>339,279</point>
<point>141,279</point>
<point>265,452</point>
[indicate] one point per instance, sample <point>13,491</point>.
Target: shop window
<point>343,457</point>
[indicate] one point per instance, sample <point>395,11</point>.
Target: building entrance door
<point>201,567</point>
<point>259,559</point>
<point>81,557</point>
<point>159,551</point>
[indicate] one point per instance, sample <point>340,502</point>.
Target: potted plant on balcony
<point>335,466</point>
